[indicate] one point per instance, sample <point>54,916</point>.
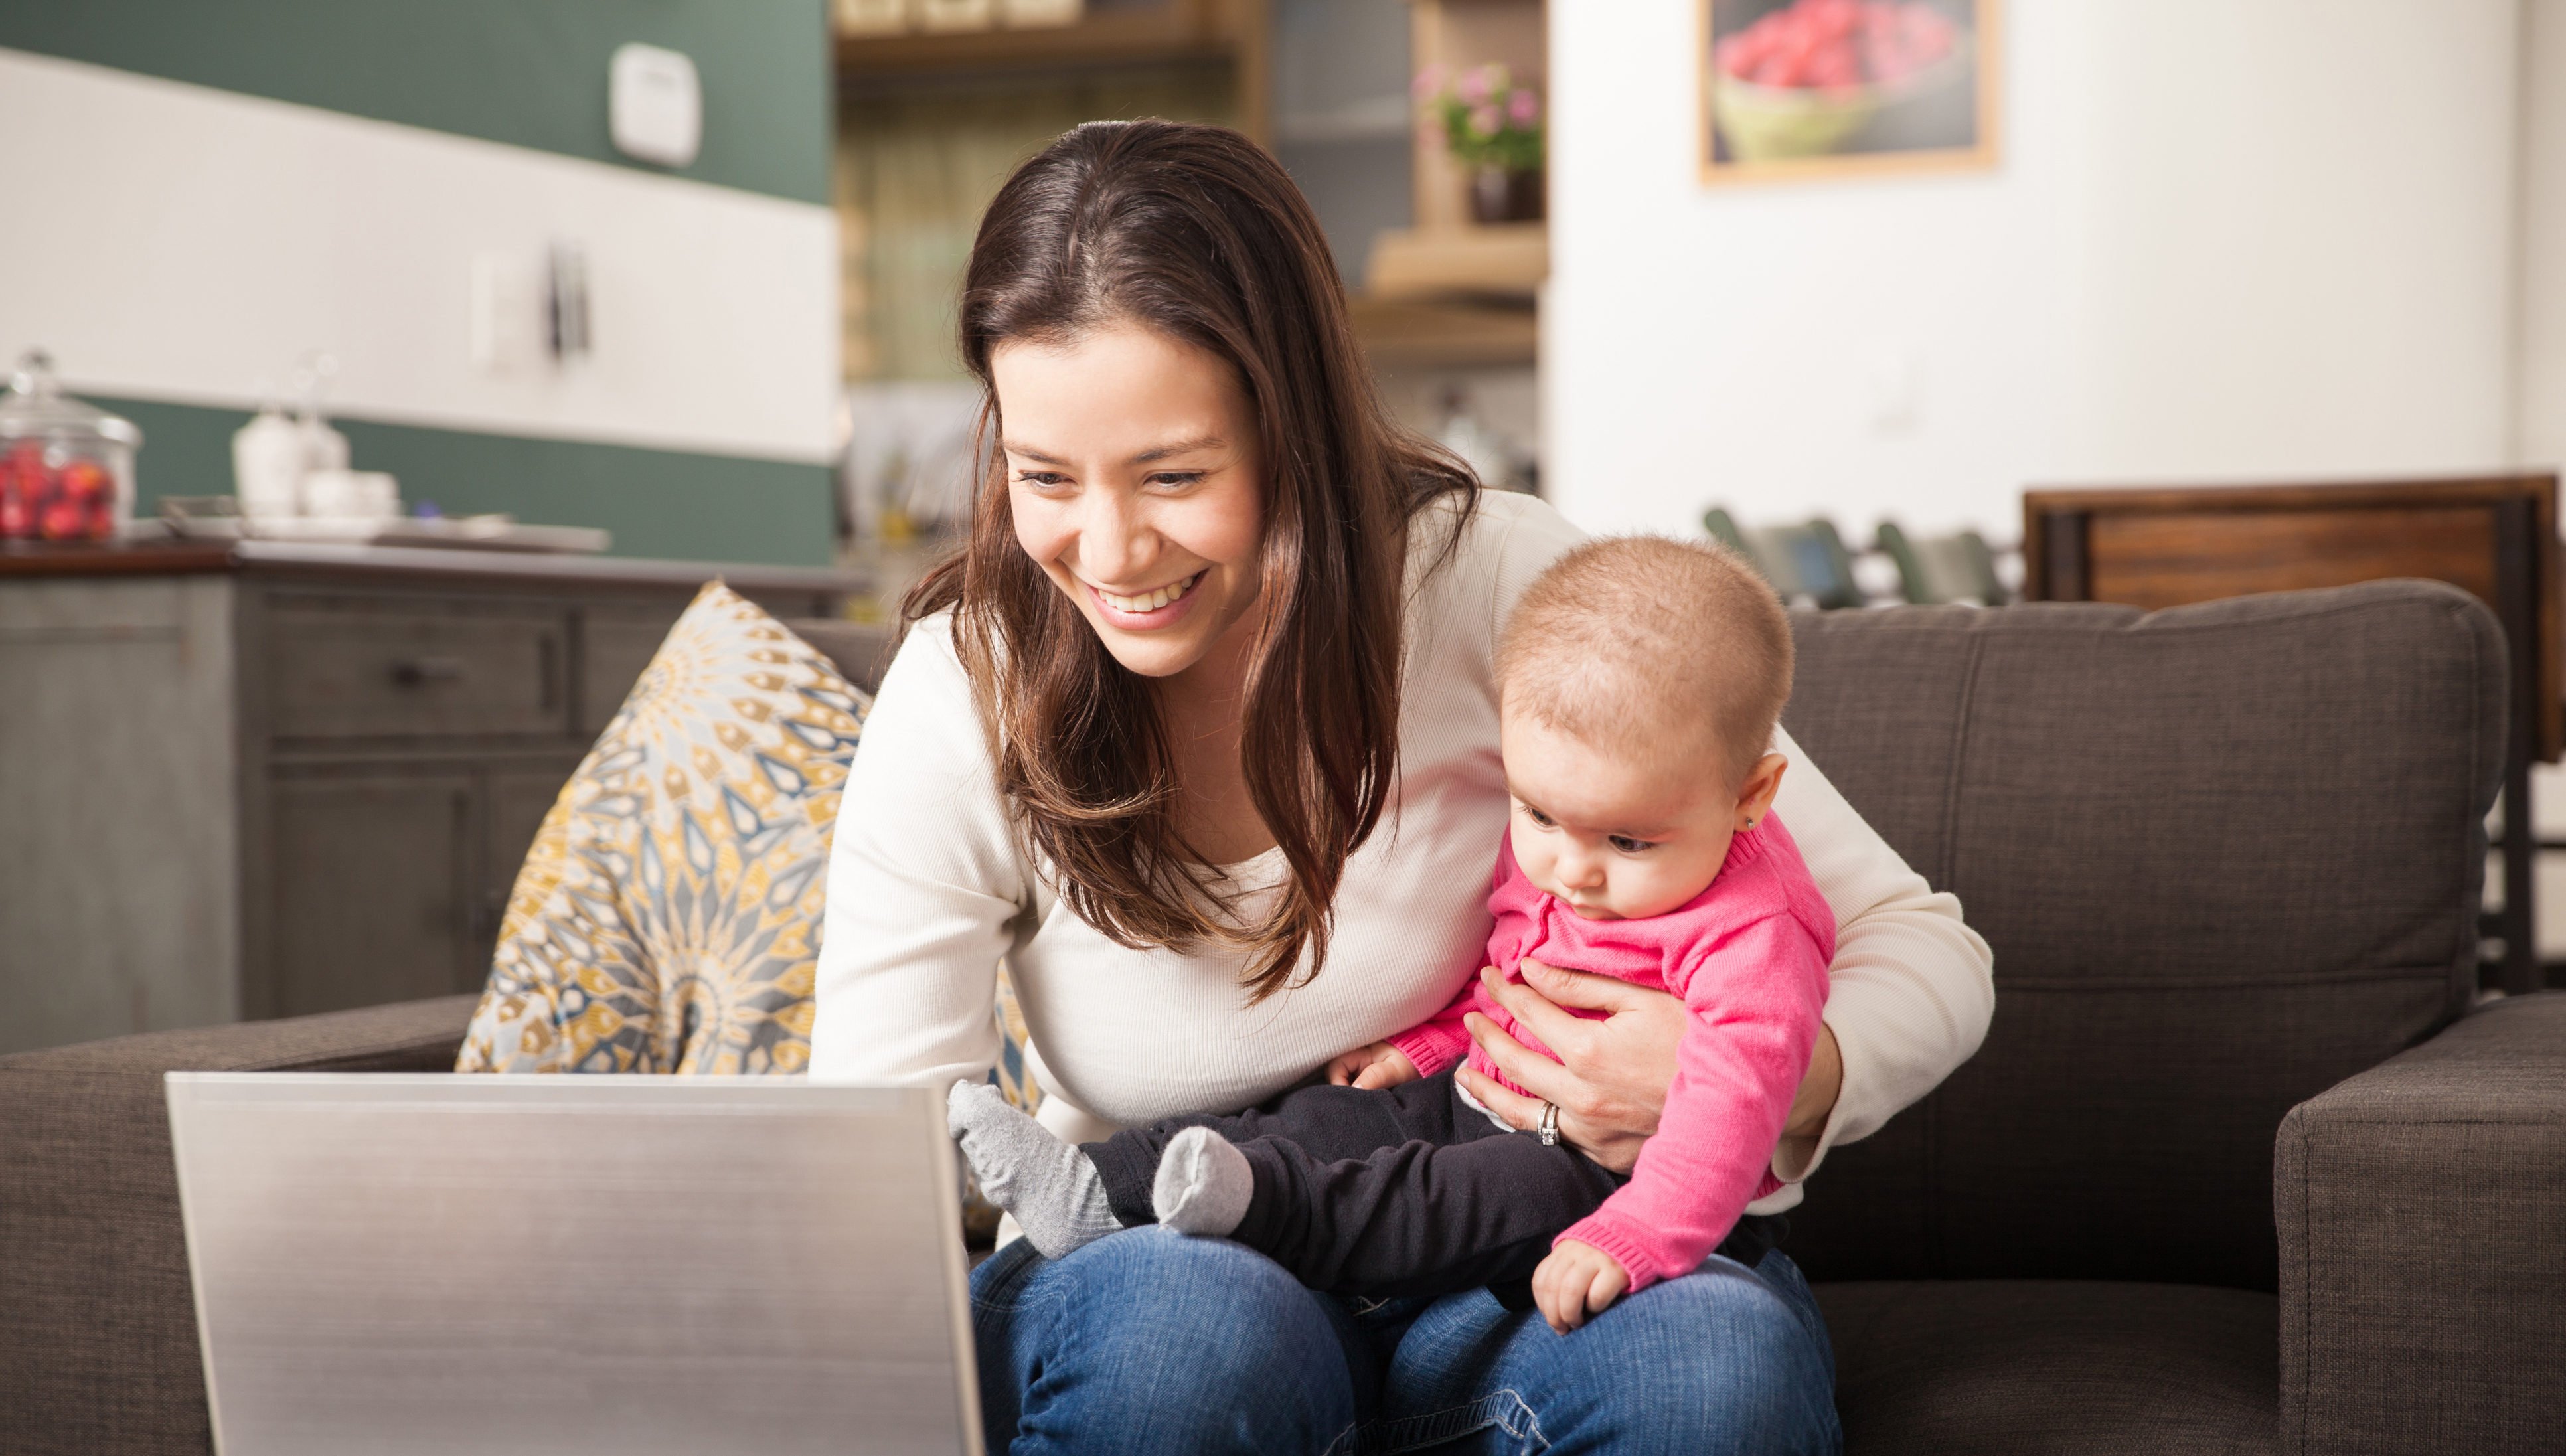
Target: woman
<point>1197,734</point>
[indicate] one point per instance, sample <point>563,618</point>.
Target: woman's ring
<point>1549,1124</point>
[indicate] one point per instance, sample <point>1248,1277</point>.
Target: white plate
<point>479,533</point>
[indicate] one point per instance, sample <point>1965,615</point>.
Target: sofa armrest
<point>97,1348</point>
<point>2422,1210</point>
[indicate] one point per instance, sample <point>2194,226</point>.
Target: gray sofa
<point>2231,1169</point>
<point>2232,1172</point>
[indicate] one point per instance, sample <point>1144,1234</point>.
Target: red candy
<point>64,520</point>
<point>72,500</point>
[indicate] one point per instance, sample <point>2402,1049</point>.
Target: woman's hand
<point>1816,1099</point>
<point>1611,1081</point>
<point>1376,1066</point>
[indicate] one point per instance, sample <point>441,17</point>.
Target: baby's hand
<point>1376,1066</point>
<point>1575,1281</point>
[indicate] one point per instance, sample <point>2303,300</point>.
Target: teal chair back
<point>1808,560</point>
<point>1936,569</point>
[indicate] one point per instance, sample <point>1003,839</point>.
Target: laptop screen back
<point>565,1265</point>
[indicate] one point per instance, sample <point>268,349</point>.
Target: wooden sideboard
<point>267,779</point>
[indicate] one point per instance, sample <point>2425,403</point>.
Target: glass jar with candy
<point>66,466</point>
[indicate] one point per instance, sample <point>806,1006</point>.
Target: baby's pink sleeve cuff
<point>1606,1233</point>
<point>1433,1047</point>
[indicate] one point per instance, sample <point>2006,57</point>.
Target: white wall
<point>220,236</point>
<point>2225,241</point>
<point>2541,401</point>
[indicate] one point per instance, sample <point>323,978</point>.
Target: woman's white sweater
<point>929,888</point>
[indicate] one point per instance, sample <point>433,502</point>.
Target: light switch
<point>530,311</point>
<point>507,314</point>
<point>655,105</point>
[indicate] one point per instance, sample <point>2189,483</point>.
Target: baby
<point>1639,683</point>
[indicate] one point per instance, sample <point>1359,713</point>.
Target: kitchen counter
<point>253,779</point>
<point>98,559</point>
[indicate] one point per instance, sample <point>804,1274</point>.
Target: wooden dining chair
<point>2494,536</point>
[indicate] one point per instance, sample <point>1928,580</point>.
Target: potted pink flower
<point>1492,125</point>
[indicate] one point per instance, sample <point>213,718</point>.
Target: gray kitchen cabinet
<point>374,888</point>
<point>514,802</point>
<point>263,780</point>
<point>347,666</point>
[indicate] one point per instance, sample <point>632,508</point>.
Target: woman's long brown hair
<point>1195,232</point>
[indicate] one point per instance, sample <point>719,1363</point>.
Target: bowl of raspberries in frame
<point>1805,80</point>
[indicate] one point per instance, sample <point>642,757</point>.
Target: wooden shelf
<point>1444,335</point>
<point>1179,29</point>
<point>1507,261</point>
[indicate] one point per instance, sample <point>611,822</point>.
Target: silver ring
<point>1549,1129</point>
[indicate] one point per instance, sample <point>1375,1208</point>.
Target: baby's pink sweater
<point>1748,955</point>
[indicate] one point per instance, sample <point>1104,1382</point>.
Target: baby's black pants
<point>1408,1190</point>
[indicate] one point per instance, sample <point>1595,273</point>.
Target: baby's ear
<point>1755,796</point>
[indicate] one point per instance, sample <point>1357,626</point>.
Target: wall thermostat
<point>655,105</point>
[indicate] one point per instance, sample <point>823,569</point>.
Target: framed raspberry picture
<point>1821,88</point>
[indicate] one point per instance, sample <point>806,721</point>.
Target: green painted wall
<point>659,503</point>
<point>530,73</point>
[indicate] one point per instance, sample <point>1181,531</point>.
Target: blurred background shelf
<point>929,123</point>
<point>1135,33</point>
<point>1442,292</point>
<point>1506,261</point>
<point>1413,334</point>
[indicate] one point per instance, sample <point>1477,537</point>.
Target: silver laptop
<point>560,1266</point>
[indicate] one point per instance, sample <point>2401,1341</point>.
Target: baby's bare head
<point>1644,646</point>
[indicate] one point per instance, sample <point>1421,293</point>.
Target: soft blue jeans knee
<point>1148,1341</point>
<point>1725,1359</point>
<point>1151,1342</point>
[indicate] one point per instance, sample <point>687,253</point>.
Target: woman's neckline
<point>1243,871</point>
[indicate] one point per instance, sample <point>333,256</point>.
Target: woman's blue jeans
<point>1149,1341</point>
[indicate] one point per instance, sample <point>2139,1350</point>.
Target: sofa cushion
<point>2422,1213</point>
<point>2028,1367</point>
<point>667,916</point>
<point>2227,856</point>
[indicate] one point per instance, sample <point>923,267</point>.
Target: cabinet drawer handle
<point>412,671</point>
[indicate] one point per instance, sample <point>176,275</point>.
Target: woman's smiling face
<point>1136,483</point>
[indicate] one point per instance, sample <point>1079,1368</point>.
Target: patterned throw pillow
<point>667,918</point>
<point>1011,1074</point>
<point>669,914</point>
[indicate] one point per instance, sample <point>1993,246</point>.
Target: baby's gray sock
<point>1049,1185</point>
<point>1204,1184</point>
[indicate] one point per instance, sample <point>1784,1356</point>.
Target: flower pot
<point>1498,195</point>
